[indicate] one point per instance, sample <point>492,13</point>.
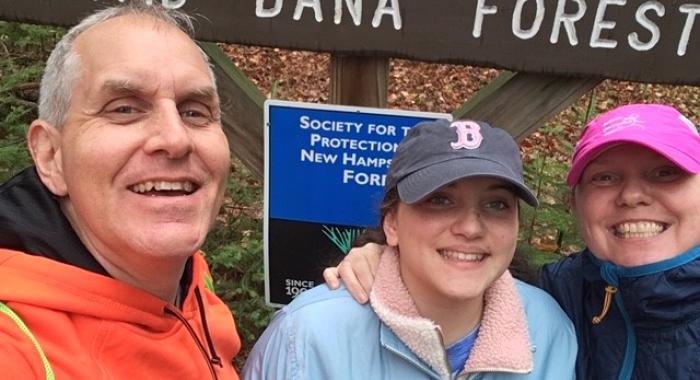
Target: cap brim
<point>421,183</point>
<point>674,155</point>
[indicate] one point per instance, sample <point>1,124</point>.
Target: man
<point>100,268</point>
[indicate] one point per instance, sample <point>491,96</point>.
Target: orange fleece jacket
<point>94,327</point>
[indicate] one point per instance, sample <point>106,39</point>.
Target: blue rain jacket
<point>652,329</point>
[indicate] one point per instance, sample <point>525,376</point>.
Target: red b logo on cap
<point>468,135</point>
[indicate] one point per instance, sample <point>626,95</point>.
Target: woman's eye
<point>666,173</point>
<point>604,178</point>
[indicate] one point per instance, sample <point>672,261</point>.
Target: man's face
<point>142,152</point>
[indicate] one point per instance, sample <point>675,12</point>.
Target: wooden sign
<point>640,40</point>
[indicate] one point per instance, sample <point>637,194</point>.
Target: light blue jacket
<point>326,335</point>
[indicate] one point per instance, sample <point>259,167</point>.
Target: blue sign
<point>327,163</point>
<point>325,169</point>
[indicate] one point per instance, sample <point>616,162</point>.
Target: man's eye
<point>124,109</point>
<point>123,112</point>
<point>192,114</point>
<point>196,115</point>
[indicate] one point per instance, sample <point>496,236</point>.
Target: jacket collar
<point>31,221</point>
<point>502,344</point>
<point>657,295</point>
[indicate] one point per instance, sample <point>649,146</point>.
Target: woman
<point>634,292</point>
<point>443,305</point>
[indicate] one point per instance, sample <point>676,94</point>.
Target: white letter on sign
<point>315,4</point>
<point>691,10</point>
<point>261,12</point>
<point>355,9</point>
<point>517,20</point>
<point>644,21</point>
<point>568,21</point>
<point>392,11</point>
<point>599,24</point>
<point>482,10</point>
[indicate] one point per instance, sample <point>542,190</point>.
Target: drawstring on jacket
<point>609,294</point>
<point>215,359</point>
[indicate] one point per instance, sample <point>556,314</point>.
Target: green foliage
<point>536,257</point>
<point>550,228</point>
<point>23,50</point>
<point>234,250</point>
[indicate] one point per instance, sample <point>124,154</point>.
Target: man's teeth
<point>638,229</point>
<point>147,186</point>
<point>461,256</point>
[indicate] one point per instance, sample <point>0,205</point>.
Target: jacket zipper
<point>410,360</point>
<point>631,347</point>
<point>189,328</point>
<point>609,273</point>
<point>446,360</point>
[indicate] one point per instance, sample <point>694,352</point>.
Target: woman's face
<point>635,207</point>
<point>457,241</point>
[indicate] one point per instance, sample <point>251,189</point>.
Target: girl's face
<point>635,207</point>
<point>456,242</point>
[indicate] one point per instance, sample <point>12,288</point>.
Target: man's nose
<point>169,133</point>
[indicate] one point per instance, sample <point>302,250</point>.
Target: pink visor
<point>658,127</point>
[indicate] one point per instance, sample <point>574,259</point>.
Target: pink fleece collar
<point>502,344</point>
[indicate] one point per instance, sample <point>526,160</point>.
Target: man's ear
<point>390,228</point>
<point>44,143</point>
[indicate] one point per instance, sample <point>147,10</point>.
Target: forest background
<point>234,248</point>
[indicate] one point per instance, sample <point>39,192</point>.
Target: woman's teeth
<point>638,229</point>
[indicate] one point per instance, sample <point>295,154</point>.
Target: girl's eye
<point>497,205</point>
<point>438,200</point>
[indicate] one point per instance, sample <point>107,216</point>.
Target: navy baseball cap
<point>436,153</point>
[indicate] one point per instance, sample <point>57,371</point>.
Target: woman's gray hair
<point>63,66</point>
